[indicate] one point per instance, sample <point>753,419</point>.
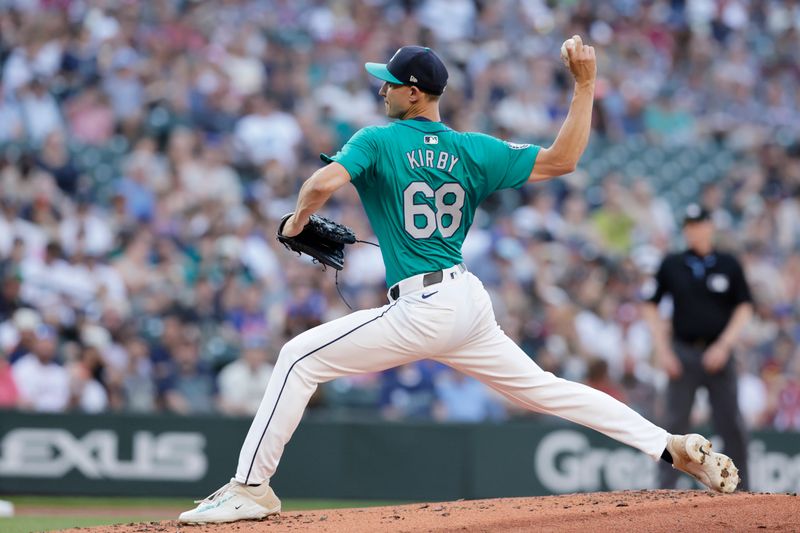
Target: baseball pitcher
<point>420,183</point>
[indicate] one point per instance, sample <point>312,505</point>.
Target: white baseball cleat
<point>234,501</point>
<point>693,454</point>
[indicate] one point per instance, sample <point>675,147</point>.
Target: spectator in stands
<point>639,392</point>
<point>45,203</point>
<point>249,319</point>
<point>713,199</point>
<point>42,382</point>
<point>218,181</point>
<point>8,239</point>
<point>18,335</point>
<point>40,111</point>
<point>123,86</point>
<point>46,281</point>
<point>90,117</point>
<point>190,387</point>
<point>597,377</point>
<point>137,383</point>
<point>107,285</point>
<point>654,220</point>
<point>600,335</point>
<point>11,126</point>
<point>170,332</point>
<point>84,231</point>
<point>612,222</point>
<point>305,308</point>
<point>578,229</point>
<point>87,394</point>
<point>56,161</point>
<point>408,391</point>
<point>135,265</point>
<point>460,398</point>
<point>242,383</point>
<point>11,266</point>
<point>753,400</point>
<point>139,198</point>
<point>267,133</point>
<point>787,410</point>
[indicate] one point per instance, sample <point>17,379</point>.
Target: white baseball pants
<point>452,322</point>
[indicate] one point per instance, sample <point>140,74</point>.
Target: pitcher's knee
<point>296,357</point>
<point>291,352</point>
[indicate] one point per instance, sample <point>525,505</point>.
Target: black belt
<point>431,278</point>
<point>698,344</point>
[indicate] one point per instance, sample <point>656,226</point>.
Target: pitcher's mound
<point>669,511</point>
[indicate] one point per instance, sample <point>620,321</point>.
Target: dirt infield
<point>612,511</point>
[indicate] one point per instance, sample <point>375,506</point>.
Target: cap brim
<point>380,71</point>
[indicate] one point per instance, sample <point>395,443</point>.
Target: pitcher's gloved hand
<point>322,239</point>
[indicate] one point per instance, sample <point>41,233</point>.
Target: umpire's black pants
<point>722,392</point>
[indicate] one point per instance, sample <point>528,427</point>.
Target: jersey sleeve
<point>507,165</point>
<point>358,155</point>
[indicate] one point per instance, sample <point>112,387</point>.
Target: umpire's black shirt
<point>705,291</point>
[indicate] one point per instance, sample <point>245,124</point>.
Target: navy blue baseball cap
<point>413,65</point>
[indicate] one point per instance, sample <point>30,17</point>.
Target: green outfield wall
<point>130,455</point>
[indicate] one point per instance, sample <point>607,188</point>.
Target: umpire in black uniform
<point>711,305</point>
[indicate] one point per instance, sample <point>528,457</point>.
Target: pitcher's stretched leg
<point>366,341</point>
<point>487,354</point>
<point>496,360</point>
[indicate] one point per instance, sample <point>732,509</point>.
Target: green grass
<point>162,508</point>
<point>25,524</point>
<point>93,502</point>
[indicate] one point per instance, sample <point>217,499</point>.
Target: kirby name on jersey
<point>431,159</point>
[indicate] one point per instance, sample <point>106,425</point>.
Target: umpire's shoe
<point>693,454</point>
<point>233,502</point>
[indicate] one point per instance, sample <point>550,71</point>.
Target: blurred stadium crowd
<point>147,150</point>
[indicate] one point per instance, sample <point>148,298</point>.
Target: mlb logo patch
<point>431,139</point>
<point>516,146</point>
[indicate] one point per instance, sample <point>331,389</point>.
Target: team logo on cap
<point>431,139</point>
<point>693,211</point>
<point>412,79</point>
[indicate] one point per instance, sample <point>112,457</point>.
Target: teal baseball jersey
<point>421,182</point>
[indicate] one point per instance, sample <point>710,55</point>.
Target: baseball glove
<point>321,238</point>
